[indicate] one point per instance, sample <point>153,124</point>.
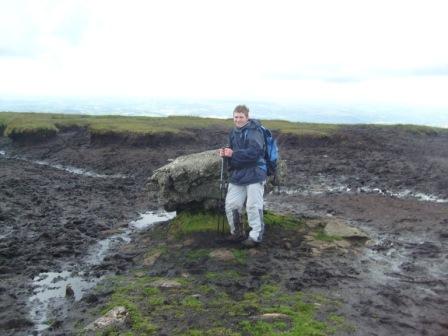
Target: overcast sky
<point>385,51</point>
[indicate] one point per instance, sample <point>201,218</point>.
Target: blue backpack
<point>271,151</point>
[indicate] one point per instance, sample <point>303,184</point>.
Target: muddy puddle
<point>54,292</point>
<point>69,169</point>
<point>335,185</point>
<point>404,287</point>
<point>411,261</point>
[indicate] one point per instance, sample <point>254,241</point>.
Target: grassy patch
<point>285,222</point>
<point>204,306</point>
<point>314,130</point>
<point>207,304</point>
<point>413,129</point>
<point>187,223</point>
<point>42,123</point>
<point>19,127</point>
<point>18,123</point>
<point>127,290</point>
<point>197,254</point>
<point>192,302</point>
<point>224,275</point>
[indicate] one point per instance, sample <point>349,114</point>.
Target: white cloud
<point>289,50</point>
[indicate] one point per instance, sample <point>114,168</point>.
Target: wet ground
<point>66,206</point>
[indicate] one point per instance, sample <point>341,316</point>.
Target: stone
<point>344,244</point>
<point>167,283</point>
<point>151,259</point>
<point>315,223</point>
<point>189,181</point>
<point>222,255</point>
<point>192,182</point>
<point>272,317</point>
<point>69,292</point>
<point>339,228</point>
<point>115,317</point>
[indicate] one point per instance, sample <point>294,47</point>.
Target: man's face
<point>240,119</point>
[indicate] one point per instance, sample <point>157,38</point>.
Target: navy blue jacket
<point>247,164</point>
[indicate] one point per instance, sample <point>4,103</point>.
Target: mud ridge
<point>396,285</point>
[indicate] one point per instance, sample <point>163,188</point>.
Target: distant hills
<point>319,112</point>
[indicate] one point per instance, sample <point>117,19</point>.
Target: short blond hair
<point>241,109</point>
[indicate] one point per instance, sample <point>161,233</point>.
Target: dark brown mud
<point>59,197</point>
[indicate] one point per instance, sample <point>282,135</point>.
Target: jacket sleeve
<point>249,156</point>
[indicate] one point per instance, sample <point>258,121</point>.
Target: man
<point>247,168</point>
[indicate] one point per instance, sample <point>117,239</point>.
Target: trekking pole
<point>221,207</point>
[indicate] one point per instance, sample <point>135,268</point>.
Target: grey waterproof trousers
<point>252,194</point>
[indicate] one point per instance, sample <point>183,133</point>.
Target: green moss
<point>286,222</point>
<point>214,303</point>
<point>192,302</point>
<point>223,275</point>
<point>154,296</point>
<point>302,317</point>
<point>138,322</point>
<point>187,223</point>
<point>216,312</point>
<point>197,254</point>
<point>268,291</point>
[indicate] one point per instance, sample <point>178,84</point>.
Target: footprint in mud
<point>314,274</point>
<point>425,249</point>
<point>411,267</point>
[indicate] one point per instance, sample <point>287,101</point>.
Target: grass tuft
<point>285,222</point>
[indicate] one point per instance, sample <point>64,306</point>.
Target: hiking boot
<point>250,243</point>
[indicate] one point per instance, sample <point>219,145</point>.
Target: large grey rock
<point>190,181</point>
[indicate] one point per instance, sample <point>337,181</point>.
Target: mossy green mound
<point>201,308</point>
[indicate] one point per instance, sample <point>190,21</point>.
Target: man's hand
<point>225,152</point>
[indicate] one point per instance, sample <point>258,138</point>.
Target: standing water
<point>56,290</point>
